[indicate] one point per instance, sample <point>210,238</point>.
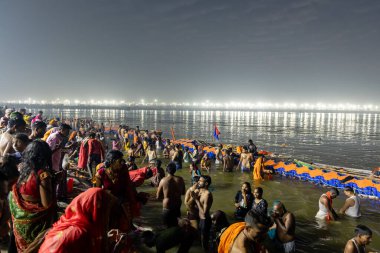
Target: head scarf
<point>83,226</point>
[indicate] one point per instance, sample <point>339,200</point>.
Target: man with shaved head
<point>285,228</point>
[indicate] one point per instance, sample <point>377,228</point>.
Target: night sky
<point>193,50</point>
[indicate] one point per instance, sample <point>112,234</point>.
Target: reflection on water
<point>342,139</point>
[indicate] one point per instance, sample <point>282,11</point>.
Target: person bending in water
<point>285,228</point>
<point>326,210</point>
<point>247,236</point>
<point>363,237</point>
<point>170,189</point>
<point>183,235</point>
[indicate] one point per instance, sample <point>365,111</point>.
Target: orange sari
<point>258,169</point>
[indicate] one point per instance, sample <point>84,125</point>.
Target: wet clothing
<point>258,169</point>
<point>323,213</point>
<point>244,207</point>
<point>354,211</point>
<point>261,207</point>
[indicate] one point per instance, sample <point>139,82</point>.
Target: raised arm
<point>287,225</point>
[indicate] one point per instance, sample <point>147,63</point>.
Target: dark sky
<point>267,50</point>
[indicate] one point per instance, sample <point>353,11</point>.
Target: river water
<point>341,139</point>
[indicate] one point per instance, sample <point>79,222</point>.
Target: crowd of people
<point>36,154</point>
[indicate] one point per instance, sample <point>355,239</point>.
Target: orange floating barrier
<point>269,162</point>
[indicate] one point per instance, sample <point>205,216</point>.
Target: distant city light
<point>231,105</point>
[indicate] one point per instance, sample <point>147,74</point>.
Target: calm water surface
<point>342,139</point>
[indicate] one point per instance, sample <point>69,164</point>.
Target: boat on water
<point>328,175</point>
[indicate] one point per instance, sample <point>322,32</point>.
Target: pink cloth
<point>37,118</point>
<point>55,143</point>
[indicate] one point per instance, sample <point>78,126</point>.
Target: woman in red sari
<point>84,225</point>
<point>32,199</point>
<point>113,175</point>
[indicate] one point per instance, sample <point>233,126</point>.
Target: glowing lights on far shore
<point>203,105</point>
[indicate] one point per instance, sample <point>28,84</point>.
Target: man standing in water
<point>285,228</point>
<point>246,160</point>
<point>171,188</point>
<point>228,161</point>
<point>204,201</point>
<point>326,211</point>
<point>192,208</point>
<point>363,237</point>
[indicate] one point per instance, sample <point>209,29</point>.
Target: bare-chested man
<point>192,208</point>
<point>15,126</point>
<point>204,201</point>
<point>285,228</point>
<point>363,237</point>
<point>247,236</point>
<point>228,161</point>
<point>171,188</point>
<point>246,160</point>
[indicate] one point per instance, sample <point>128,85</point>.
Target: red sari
<point>83,227</point>
<point>83,155</point>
